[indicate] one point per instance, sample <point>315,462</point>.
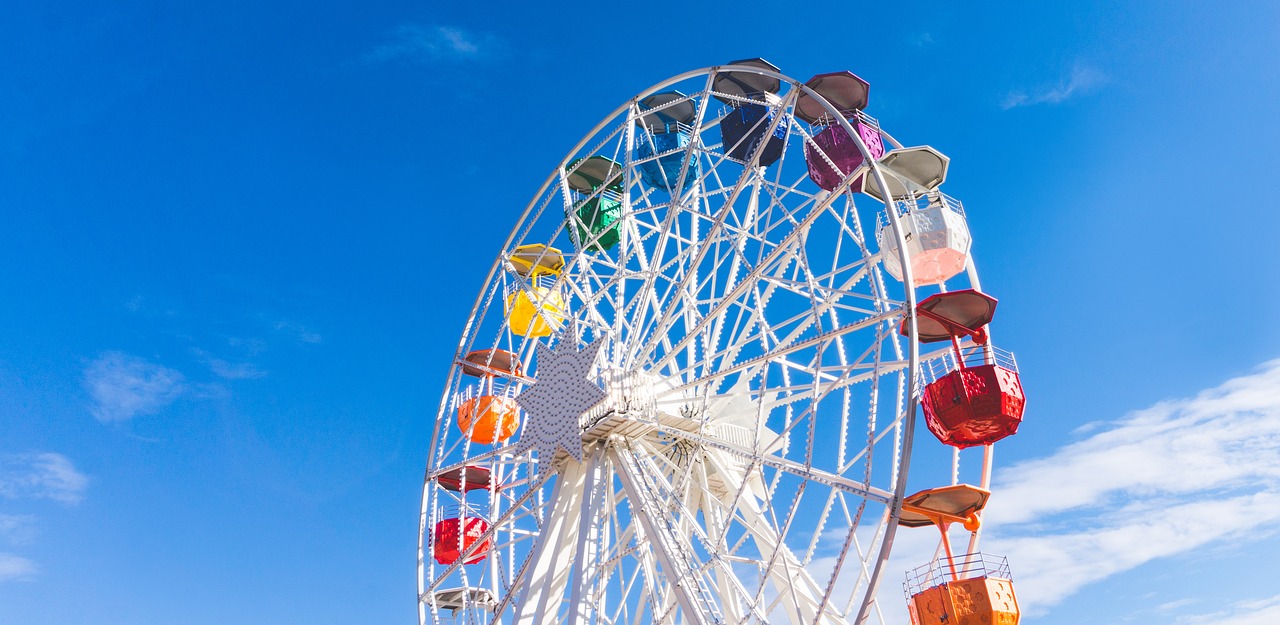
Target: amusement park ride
<point>687,391</point>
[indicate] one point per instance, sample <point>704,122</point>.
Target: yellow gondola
<point>537,307</point>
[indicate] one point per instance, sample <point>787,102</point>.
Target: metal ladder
<point>682,561</point>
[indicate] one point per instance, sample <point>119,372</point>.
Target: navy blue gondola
<point>745,129</point>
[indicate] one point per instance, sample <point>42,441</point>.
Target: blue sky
<point>240,240</point>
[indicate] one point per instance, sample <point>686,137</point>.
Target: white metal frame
<point>750,463</point>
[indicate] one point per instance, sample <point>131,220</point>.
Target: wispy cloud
<point>434,44</point>
<point>150,307</point>
<point>33,475</point>
<point>1082,79</point>
<point>1259,612</point>
<point>122,386</point>
<point>15,568</point>
<point>250,346</point>
<point>228,370</point>
<point>235,371</point>
<point>920,40</point>
<point>41,475</point>
<point>1160,482</point>
<point>297,331</point>
<point>17,529</point>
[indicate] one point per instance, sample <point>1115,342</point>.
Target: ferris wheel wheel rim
<point>710,72</point>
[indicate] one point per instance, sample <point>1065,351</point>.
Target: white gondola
<point>937,238</point>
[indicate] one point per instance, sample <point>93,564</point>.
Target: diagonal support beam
<point>690,591</point>
<point>799,595</point>
<point>551,564</point>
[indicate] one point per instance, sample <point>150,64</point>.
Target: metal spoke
<point>758,394</point>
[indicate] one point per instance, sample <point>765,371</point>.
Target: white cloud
<point>921,40</point>
<point>298,331</point>
<point>1081,80</point>
<point>35,475</point>
<point>434,44</point>
<point>235,371</point>
<point>17,529</point>
<point>1177,478</point>
<point>1157,483</point>
<point>123,386</point>
<point>250,346</point>
<point>228,370</point>
<point>41,475</point>
<point>1171,606</point>
<point>1261,612</point>
<point>15,568</point>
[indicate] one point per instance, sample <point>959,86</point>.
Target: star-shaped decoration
<point>556,402</point>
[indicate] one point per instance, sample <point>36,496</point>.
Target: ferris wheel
<point>687,390</point>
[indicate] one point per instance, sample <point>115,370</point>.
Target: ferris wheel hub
<point>636,405</point>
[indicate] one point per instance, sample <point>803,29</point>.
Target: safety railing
<point>487,387</point>
<point>973,356</point>
<point>967,566</point>
<point>733,100</point>
<point>664,128</point>
<point>458,511</point>
<point>536,285</point>
<point>933,199</point>
<point>852,116</point>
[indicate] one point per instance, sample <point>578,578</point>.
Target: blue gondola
<point>667,132</point>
